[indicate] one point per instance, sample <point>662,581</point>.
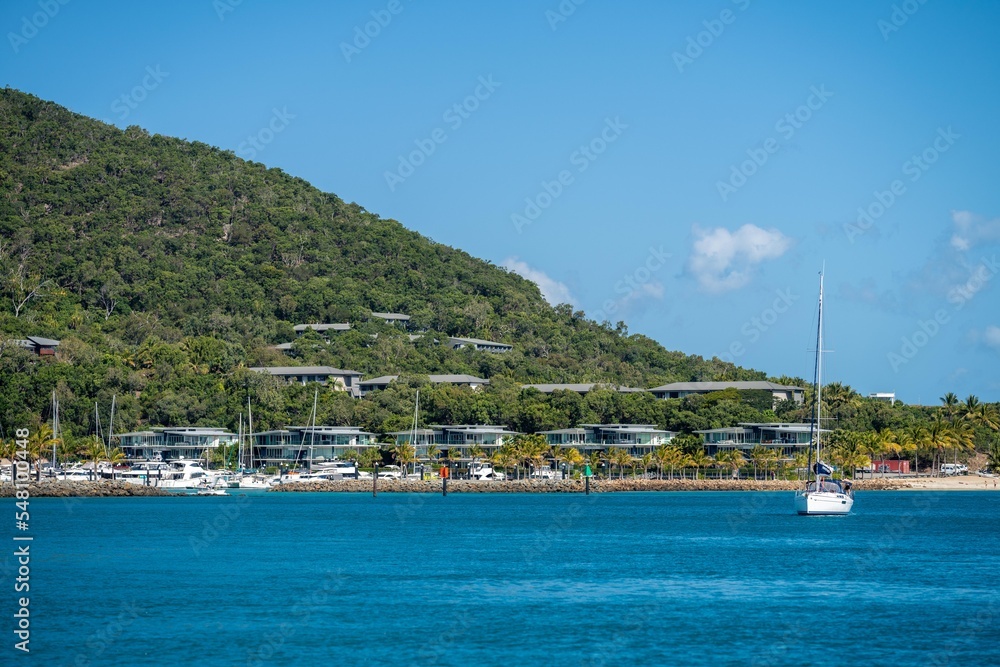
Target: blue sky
<point>687,169</point>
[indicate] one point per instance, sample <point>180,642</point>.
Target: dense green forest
<point>167,268</point>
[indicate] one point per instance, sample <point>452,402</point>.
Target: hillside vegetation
<point>167,267</point>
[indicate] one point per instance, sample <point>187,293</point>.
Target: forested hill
<point>160,260</point>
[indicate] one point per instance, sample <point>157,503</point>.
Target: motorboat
<point>182,474</point>
<point>485,471</point>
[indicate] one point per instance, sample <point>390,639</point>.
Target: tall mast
<point>413,430</point>
<point>312,432</point>
<point>250,431</point>
<point>111,423</point>
<point>55,430</point>
<point>239,444</point>
<point>819,370</point>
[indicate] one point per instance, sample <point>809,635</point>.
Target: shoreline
<point>98,489</point>
<point>116,489</point>
<point>564,486</point>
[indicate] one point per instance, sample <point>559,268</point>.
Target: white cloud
<point>991,336</point>
<point>554,291</point>
<point>972,229</point>
<point>722,260</point>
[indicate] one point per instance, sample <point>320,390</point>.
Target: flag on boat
<point>821,468</point>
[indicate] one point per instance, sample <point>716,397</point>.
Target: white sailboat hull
<point>822,502</point>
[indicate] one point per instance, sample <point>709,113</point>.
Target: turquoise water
<point>614,579</point>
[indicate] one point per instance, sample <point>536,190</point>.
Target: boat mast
<point>250,431</point>
<point>413,430</point>
<point>239,444</point>
<point>818,380</point>
<point>55,430</point>
<point>312,431</point>
<point>111,427</point>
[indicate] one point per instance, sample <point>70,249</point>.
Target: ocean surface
<point>910,578</point>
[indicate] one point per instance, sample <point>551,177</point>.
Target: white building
<point>170,443</point>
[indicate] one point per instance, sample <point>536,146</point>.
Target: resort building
<point>171,443</point>
<point>341,379</point>
<point>375,384</point>
<point>393,318</point>
<point>296,445</point>
<point>43,347</point>
<point>323,329</point>
<point>463,437</point>
<point>789,439</point>
<point>886,396</point>
<point>638,439</point>
<point>479,344</point>
<point>779,392</point>
<point>580,388</point>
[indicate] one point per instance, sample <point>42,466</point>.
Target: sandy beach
<point>957,483</point>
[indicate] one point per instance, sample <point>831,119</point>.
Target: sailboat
<point>822,495</point>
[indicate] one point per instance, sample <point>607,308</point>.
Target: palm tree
<point>699,459</point>
<point>404,454</point>
<point>993,456</point>
<point>732,459</point>
<point>674,458</point>
<point>453,455</point>
<point>557,454</point>
<point>661,455</point>
<point>619,456</point>
<point>759,457</point>
<point>801,461</point>
<point>531,449</point>
<point>431,452</point>
<point>938,438</point>
<point>39,443</point>
<point>986,415</point>
<point>573,458</point>
<point>95,452</point>
<point>963,438</point>
<point>840,399</point>
<point>950,405</point>
<point>646,461</point>
<point>504,456</point>
<point>918,438</point>
<point>971,405</point>
<point>594,461</point>
<point>884,443</point>
<point>115,457</point>
<point>476,452</point>
<point>369,456</point>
